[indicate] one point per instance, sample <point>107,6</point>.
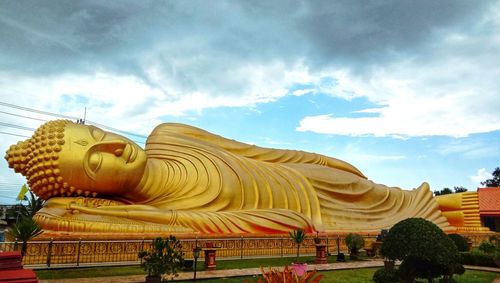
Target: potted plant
<point>354,243</point>
<point>298,237</point>
<point>165,257</point>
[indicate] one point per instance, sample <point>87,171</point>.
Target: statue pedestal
<point>210,259</point>
<point>320,254</point>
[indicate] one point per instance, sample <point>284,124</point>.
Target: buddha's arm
<point>244,221</point>
<point>193,135</point>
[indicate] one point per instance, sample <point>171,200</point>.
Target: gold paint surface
<point>462,210</point>
<point>188,180</point>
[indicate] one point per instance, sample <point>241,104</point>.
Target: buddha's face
<point>95,161</point>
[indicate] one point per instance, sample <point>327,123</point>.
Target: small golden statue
<point>189,180</point>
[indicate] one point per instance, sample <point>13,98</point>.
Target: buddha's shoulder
<point>177,128</point>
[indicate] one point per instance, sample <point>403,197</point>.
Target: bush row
<point>477,257</point>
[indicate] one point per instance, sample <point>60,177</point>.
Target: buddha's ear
<point>89,168</point>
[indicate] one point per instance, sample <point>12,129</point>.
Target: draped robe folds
<point>196,181</point>
<point>215,185</point>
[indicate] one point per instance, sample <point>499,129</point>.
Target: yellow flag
<point>22,192</point>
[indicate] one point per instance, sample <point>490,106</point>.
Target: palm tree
<point>298,236</point>
<point>24,230</point>
<point>34,205</point>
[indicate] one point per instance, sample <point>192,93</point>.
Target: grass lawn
<point>136,269</point>
<point>350,275</point>
<point>365,276</point>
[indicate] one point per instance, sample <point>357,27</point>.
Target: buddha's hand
<point>137,212</point>
<point>64,202</point>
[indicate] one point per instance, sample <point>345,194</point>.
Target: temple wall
<point>43,254</point>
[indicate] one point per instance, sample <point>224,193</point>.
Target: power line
<point>17,126</point>
<point>115,130</point>
<point>67,117</point>
<point>32,118</point>
<point>38,111</point>
<point>32,129</point>
<point>16,135</point>
<point>11,197</point>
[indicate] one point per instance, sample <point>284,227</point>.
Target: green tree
<point>424,249</point>
<point>24,230</point>
<point>460,189</point>
<point>165,257</point>
<point>460,242</point>
<point>34,205</point>
<point>444,191</point>
<point>354,243</point>
<point>494,181</point>
<point>298,236</point>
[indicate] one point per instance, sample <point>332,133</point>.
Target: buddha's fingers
<point>136,212</point>
<point>104,210</point>
<point>128,207</point>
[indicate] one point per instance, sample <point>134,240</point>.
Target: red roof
<point>489,201</point>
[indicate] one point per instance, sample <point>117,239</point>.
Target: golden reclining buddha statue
<point>189,180</point>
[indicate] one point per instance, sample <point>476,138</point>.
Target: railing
<point>50,254</point>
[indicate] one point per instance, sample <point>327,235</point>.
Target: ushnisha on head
<point>67,159</point>
<point>37,159</point>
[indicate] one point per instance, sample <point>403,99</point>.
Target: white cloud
<point>300,92</point>
<point>470,149</point>
<point>451,91</point>
<point>456,106</point>
<point>138,105</point>
<point>356,155</point>
<point>480,176</point>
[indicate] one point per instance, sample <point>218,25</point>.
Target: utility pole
<point>82,121</point>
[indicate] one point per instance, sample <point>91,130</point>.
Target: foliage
<point>382,235</point>
<point>460,242</point>
<point>363,275</point>
<point>354,243</point>
<point>487,247</point>
<point>384,275</point>
<point>495,240</point>
<point>460,189</point>
<point>34,205</point>
<point>166,257</point>
<point>298,236</point>
<point>423,248</point>
<point>24,230</point>
<point>494,181</point>
<point>479,258</point>
<point>444,191</point>
<point>287,276</point>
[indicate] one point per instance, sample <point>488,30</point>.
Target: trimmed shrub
<point>477,257</point>
<point>424,249</point>
<point>460,242</point>
<point>383,275</point>
<point>487,247</point>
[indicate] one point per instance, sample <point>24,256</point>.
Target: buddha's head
<point>67,159</point>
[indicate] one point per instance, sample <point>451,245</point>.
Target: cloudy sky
<point>407,91</point>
